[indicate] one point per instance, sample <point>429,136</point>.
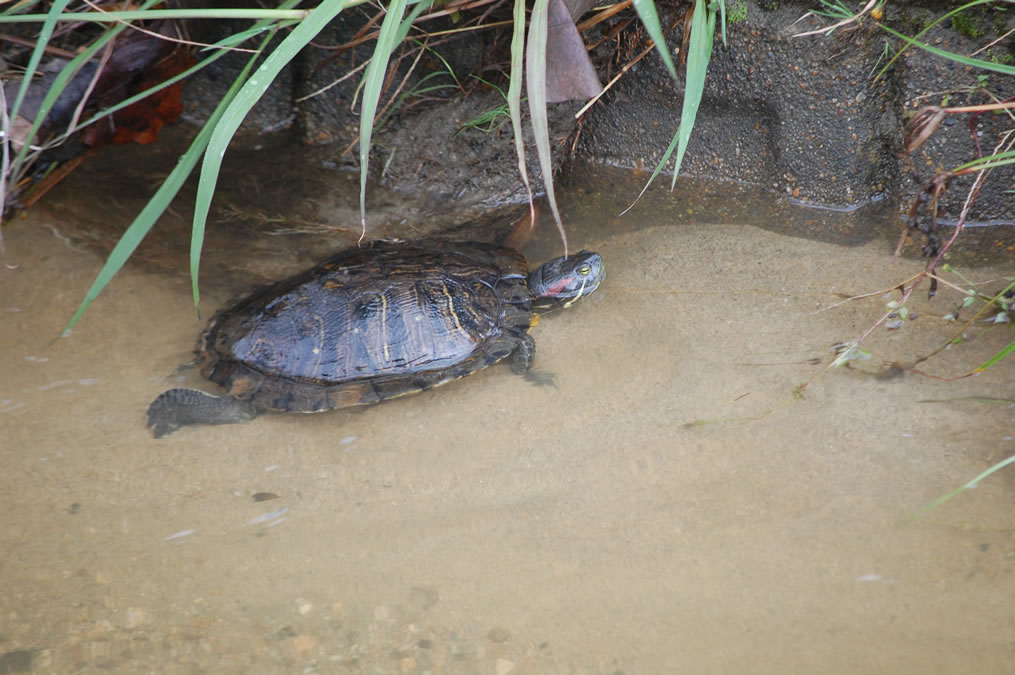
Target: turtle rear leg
<point>179,407</point>
<point>523,358</point>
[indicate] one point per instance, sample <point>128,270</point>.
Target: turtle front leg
<point>523,358</point>
<point>179,407</point>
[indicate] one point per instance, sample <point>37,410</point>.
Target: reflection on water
<point>672,506</point>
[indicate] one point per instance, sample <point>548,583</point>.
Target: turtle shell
<point>370,324</point>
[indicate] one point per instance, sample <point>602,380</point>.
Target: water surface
<point>676,504</point>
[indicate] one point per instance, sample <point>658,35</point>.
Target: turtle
<point>372,323</point>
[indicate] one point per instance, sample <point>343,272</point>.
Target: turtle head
<point>562,281</point>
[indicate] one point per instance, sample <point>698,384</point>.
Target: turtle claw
<point>179,407</point>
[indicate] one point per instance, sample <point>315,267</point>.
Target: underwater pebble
<point>305,608</point>
<point>504,666</point>
<point>498,634</point>
<point>135,617</point>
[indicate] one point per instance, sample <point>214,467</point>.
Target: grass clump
<point>967,25</point>
<point>737,13</point>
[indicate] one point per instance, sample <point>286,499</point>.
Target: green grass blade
<point>45,33</point>
<point>165,14</point>
<point>953,12</point>
<point>219,53</point>
<point>253,88</point>
<point>646,10</point>
<point>989,162</point>
<point>722,20</point>
<point>57,87</point>
<point>698,56</point>
<point>659,167</point>
<point>971,484</point>
<point>14,8</point>
<point>33,64</point>
<point>699,52</point>
<point>958,58</point>
<point>996,357</point>
<point>514,98</point>
<point>373,81</point>
<point>535,80</point>
<point>145,220</point>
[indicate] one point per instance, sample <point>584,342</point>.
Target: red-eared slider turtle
<point>371,324</point>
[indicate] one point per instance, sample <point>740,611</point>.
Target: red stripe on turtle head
<point>559,286</point>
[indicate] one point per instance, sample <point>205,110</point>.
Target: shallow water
<point>671,506</point>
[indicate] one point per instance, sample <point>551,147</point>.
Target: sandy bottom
<point>491,526</point>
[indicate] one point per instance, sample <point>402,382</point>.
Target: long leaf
<point>33,64</point>
<point>144,221</point>
<point>698,55</point>
<point>646,10</point>
<point>251,91</point>
<point>996,357</point>
<point>151,15</point>
<point>989,162</point>
<point>971,484</point>
<point>958,58</point>
<point>45,33</point>
<point>214,56</point>
<point>373,81</point>
<point>514,98</point>
<point>926,28</point>
<point>535,82</point>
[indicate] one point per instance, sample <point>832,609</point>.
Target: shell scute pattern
<point>370,324</point>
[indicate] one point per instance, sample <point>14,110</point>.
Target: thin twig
<point>651,46</point>
<point>421,50</point>
<point>866,8</point>
<point>992,43</point>
<point>603,15</point>
<point>867,295</point>
<point>106,53</point>
<point>55,51</point>
<point>167,38</point>
<point>4,166</point>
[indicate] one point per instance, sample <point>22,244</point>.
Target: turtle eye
<point>584,270</point>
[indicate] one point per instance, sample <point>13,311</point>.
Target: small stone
<point>135,617</point>
<point>498,634</point>
<point>305,608</point>
<point>424,597</point>
<point>407,665</point>
<point>303,643</point>
<point>17,661</point>
<point>504,666</point>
